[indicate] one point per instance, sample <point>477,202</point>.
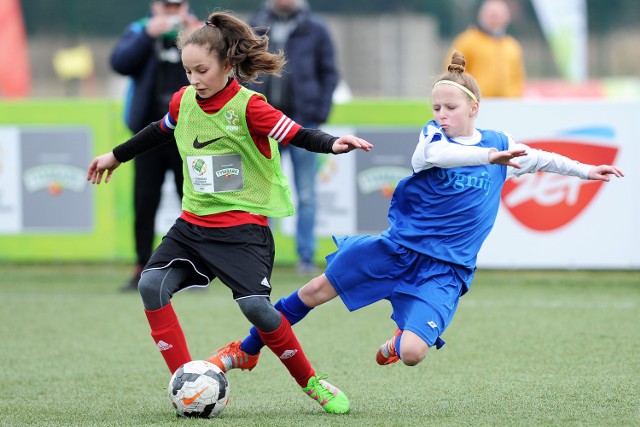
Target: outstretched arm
<point>347,143</point>
<point>506,157</point>
<point>444,154</point>
<point>148,138</point>
<point>101,164</point>
<point>545,161</point>
<point>602,172</point>
<point>318,141</point>
<point>435,150</point>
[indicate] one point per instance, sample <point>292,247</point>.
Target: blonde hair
<point>456,74</point>
<point>230,39</point>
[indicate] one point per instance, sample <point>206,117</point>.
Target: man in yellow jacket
<point>493,57</point>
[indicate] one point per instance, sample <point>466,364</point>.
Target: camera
<point>176,23</point>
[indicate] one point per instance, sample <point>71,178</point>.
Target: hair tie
<point>208,23</point>
<point>458,85</point>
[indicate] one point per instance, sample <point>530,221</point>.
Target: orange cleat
<point>232,357</point>
<point>386,354</point>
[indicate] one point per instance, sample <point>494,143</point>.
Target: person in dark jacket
<point>304,93</point>
<point>147,53</point>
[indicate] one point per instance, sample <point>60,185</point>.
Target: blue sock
<point>398,346</point>
<point>291,307</point>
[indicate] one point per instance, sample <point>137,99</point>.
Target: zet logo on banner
<point>548,201</point>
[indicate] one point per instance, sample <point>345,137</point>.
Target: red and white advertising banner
<point>553,221</point>
<point>545,220</point>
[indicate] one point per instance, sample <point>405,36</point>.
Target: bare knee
<point>412,356</point>
<point>413,349</point>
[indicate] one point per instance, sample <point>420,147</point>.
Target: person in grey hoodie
<point>304,93</point>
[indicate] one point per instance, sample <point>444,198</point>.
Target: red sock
<point>168,336</point>
<point>285,345</point>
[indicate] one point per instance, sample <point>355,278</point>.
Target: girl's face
<point>453,110</point>
<point>207,74</point>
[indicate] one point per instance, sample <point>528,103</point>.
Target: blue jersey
<point>439,218</point>
<point>448,213</point>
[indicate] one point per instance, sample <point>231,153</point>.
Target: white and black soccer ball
<point>199,389</point>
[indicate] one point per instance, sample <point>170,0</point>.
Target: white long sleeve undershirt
<point>443,154</point>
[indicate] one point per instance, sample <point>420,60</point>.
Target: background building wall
<point>379,56</point>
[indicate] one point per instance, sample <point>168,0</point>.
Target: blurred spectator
<point>147,53</point>
<point>304,93</point>
<point>493,57</point>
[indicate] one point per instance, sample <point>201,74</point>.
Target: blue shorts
<point>423,291</point>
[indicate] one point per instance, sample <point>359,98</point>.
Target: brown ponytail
<point>231,39</point>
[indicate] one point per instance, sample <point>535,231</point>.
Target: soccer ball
<point>199,389</point>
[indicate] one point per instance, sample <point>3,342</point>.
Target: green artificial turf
<point>525,348</point>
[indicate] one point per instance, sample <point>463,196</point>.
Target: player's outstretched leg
<point>244,354</point>
<point>387,353</point>
<point>231,356</point>
<point>330,397</point>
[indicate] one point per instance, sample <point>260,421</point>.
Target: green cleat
<point>330,397</point>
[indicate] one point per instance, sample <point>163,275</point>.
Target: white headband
<point>458,85</point>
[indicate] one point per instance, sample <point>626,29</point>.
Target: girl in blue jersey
<point>228,140</point>
<point>439,217</point>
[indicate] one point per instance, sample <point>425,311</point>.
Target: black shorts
<point>241,256</point>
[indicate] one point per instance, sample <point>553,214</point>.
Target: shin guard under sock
<point>291,307</point>
<point>285,345</point>
<point>168,336</point>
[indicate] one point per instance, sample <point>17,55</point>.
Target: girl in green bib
<point>227,136</point>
